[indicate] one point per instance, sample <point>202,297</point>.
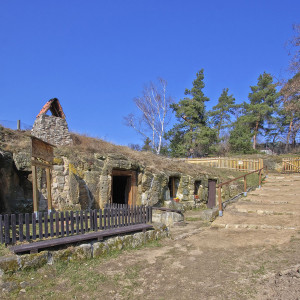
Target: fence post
<point>18,124</point>
<point>245,186</point>
<point>259,179</point>
<point>220,202</point>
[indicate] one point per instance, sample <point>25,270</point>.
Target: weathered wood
<point>13,229</point>
<point>46,224</point>
<point>81,222</point>
<point>51,224</point>
<point>72,222</point>
<point>34,189</point>
<point>40,225</point>
<point>95,219</point>
<point>62,227</point>
<point>48,178</point>
<point>21,234</point>
<point>67,223</point>
<point>6,229</point>
<point>78,238</point>
<point>27,227</point>
<point>57,224</point>
<point>104,218</point>
<point>33,226</point>
<point>86,220</point>
<point>100,219</point>
<point>77,222</point>
<point>1,230</point>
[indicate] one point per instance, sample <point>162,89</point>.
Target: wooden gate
<point>211,193</point>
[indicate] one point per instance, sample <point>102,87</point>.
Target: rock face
<point>15,186</point>
<point>51,129</point>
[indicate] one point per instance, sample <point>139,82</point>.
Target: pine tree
<point>191,136</point>
<point>221,113</point>
<point>262,104</point>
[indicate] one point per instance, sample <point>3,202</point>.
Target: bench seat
<point>99,235</point>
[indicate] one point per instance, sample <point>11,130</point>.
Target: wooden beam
<point>48,177</point>
<point>35,190</point>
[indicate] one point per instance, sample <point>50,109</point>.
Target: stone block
<point>83,251</point>
<point>33,261</point>
<point>8,264</point>
<point>100,249</point>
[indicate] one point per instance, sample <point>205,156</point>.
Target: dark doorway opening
<point>121,188</point>
<point>124,187</point>
<point>173,186</point>
<point>197,186</point>
<point>211,193</point>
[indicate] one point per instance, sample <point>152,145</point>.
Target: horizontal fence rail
<point>291,165</point>
<point>16,228</point>
<point>239,164</point>
<point>219,186</point>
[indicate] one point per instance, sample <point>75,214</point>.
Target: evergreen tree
<point>220,114</point>
<point>262,104</point>
<point>191,136</point>
<point>240,137</point>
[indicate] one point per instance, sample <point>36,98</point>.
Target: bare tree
<point>153,106</point>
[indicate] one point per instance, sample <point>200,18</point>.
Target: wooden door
<point>211,194</point>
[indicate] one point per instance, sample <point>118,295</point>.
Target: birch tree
<point>153,115</point>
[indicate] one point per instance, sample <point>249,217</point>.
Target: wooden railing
<point>239,164</point>
<point>291,165</point>
<point>219,186</point>
<point>29,227</point>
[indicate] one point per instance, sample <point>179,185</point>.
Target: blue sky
<point>95,56</point>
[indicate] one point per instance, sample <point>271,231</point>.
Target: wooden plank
<point>104,218</point>
<point>67,223</point>
<point>27,227</point>
<point>100,219</point>
<point>86,221</point>
<point>1,230</point>
<point>34,189</point>
<point>79,238</point>
<point>51,224</point>
<point>77,221</point>
<point>62,225</point>
<point>13,229</point>
<point>46,224</point>
<point>57,224</point>
<point>116,217</point>
<point>108,217</point>
<point>33,226</point>
<point>81,222</point>
<point>40,220</point>
<point>6,229</point>
<point>48,178</point>
<point>21,232</point>
<point>72,222</point>
<point>41,149</point>
<point>95,222</point>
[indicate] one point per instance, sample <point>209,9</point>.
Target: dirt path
<point>227,260</point>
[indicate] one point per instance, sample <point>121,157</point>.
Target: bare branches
<point>153,106</point>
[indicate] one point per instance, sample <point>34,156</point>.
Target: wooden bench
<point>99,235</point>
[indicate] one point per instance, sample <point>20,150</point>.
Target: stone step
<point>253,226</point>
<point>265,211</point>
<point>229,217</point>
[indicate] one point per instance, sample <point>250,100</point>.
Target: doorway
<point>211,193</point>
<point>173,186</point>
<point>124,187</point>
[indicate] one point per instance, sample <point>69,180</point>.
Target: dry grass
<point>84,147</point>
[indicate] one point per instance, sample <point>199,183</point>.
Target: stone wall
<point>14,263</point>
<point>51,129</point>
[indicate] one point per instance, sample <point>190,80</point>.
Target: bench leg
<point>34,251</point>
<point>100,238</point>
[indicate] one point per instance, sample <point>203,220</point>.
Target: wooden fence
<point>291,165</point>
<point>27,227</point>
<point>239,164</point>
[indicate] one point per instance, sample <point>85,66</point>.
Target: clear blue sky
<point>95,56</point>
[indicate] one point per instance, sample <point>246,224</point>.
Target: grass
<point>192,219</point>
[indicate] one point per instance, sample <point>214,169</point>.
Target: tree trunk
<point>255,134</point>
<point>288,137</point>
